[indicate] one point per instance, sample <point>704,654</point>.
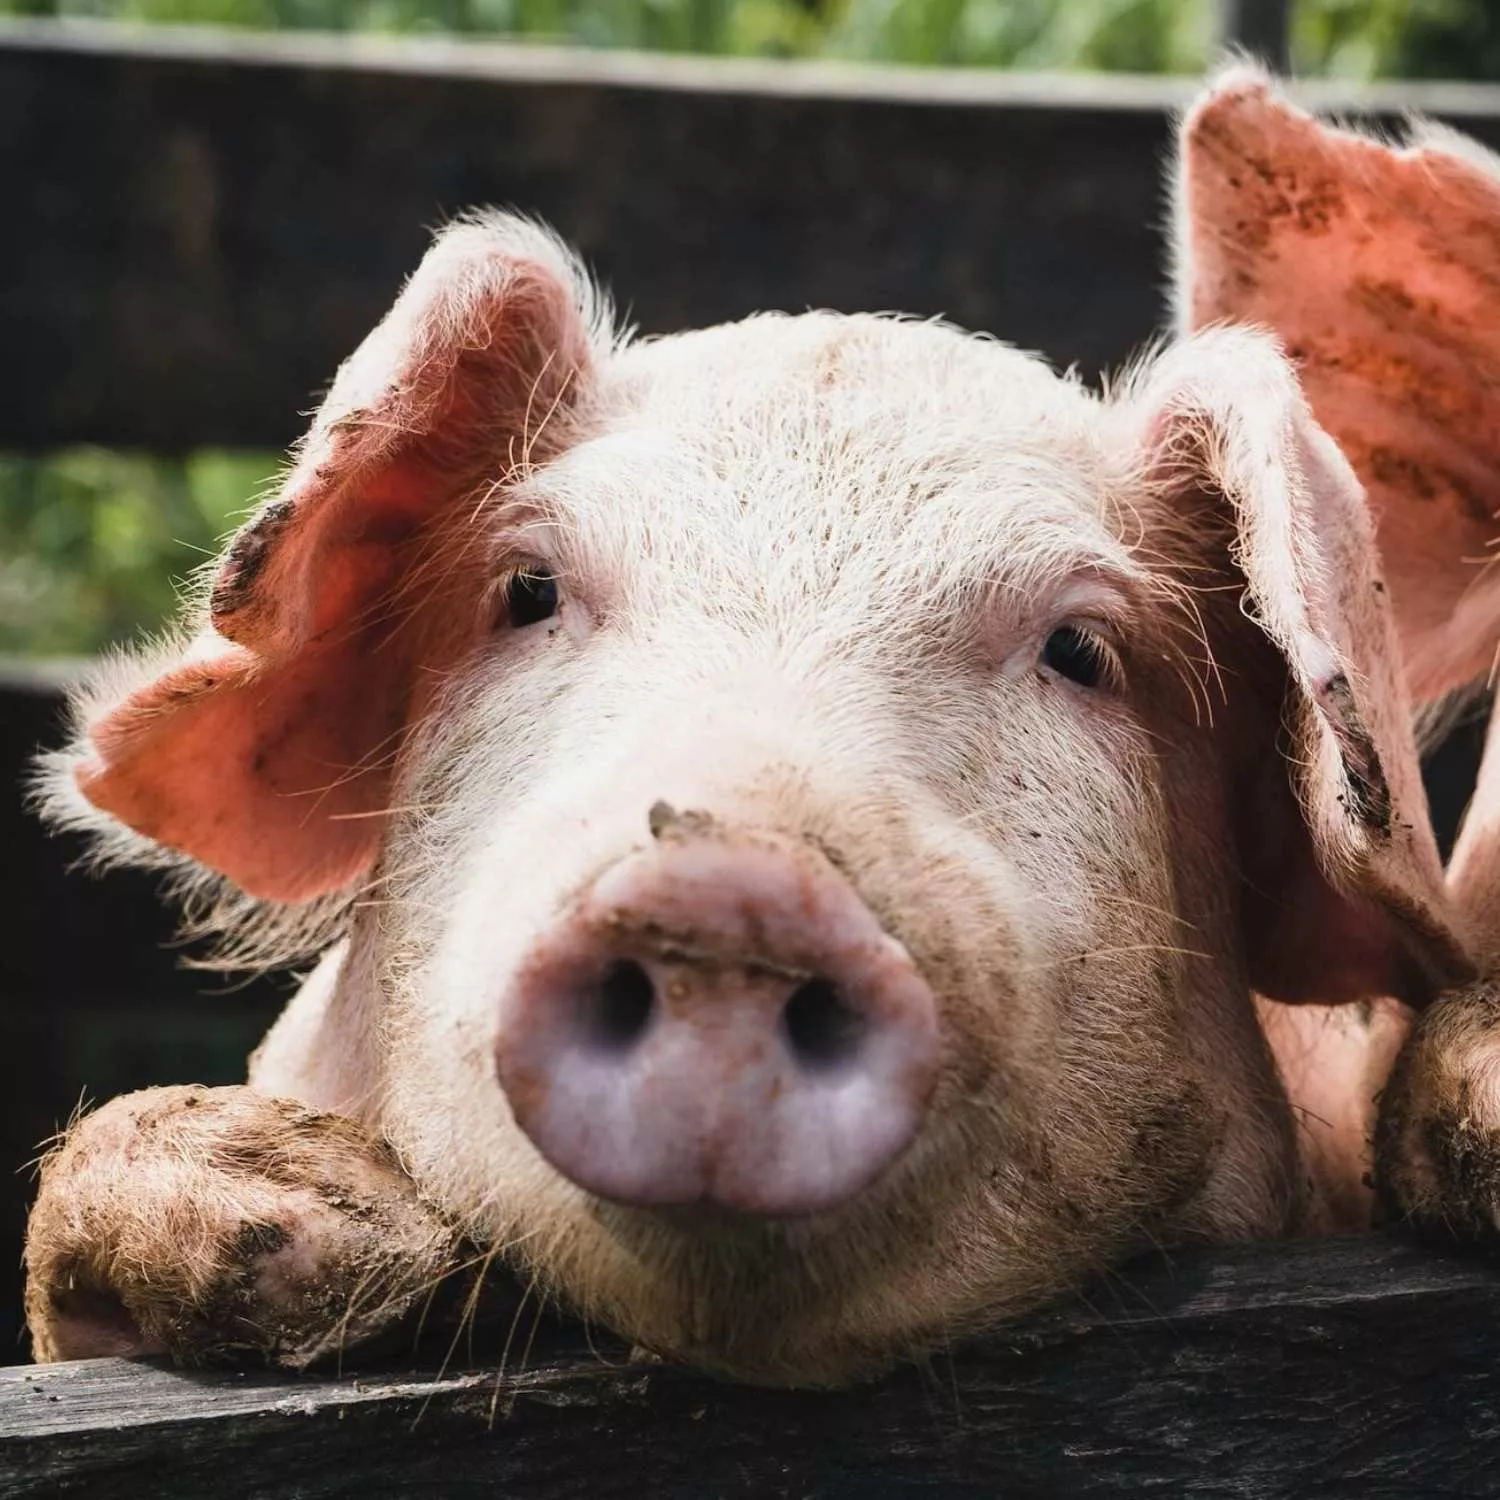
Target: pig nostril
<point>622,1007</point>
<point>822,1030</point>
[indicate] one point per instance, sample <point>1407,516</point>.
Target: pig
<point>794,822</point>
<point>1378,265</point>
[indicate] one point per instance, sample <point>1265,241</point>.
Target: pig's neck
<point>321,1051</point>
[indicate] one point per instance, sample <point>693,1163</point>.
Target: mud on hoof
<point>1437,1139</point>
<point>218,1224</point>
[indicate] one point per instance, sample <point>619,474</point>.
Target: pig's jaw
<point>928,1253</point>
<point>930,1250</point>
<point>809,1302</point>
<point>817,1301</point>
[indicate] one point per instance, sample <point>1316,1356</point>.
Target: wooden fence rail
<point>1357,1370</point>
<point>197,227</point>
<point>200,227</point>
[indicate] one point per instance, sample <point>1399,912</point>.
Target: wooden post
<point>1260,27</point>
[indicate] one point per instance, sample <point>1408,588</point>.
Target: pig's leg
<point>222,1224</point>
<point>1437,1144</point>
<point>1437,1147</point>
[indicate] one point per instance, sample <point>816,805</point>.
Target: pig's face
<point>820,801</point>
<point>850,597</point>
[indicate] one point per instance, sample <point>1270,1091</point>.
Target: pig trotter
<point>1437,1141</point>
<point>219,1224</point>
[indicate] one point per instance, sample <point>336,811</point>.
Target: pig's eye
<point>530,597</point>
<point>1080,655</point>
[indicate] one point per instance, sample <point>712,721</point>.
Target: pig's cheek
<point>445,1108</point>
<point>512,881</point>
<point>985,931</point>
<point>484,941</point>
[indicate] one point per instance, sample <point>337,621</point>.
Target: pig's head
<point>809,799</point>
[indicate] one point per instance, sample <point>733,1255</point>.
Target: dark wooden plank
<point>1360,1368</point>
<point>207,238</point>
<point>207,225</point>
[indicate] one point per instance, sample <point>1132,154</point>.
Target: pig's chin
<point>752,1298</point>
<point>814,1300</point>
<point>706,1232</point>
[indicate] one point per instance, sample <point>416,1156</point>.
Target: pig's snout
<point>719,1019</point>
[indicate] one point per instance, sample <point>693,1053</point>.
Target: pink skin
<point>719,1019</point>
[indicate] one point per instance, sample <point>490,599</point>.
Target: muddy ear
<point>1343,891</point>
<point>1379,269</point>
<point>264,749</point>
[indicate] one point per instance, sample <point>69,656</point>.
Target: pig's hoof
<point>218,1224</point>
<point>1437,1140</point>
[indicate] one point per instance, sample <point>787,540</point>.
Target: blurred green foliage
<point>94,544</point>
<point>1149,35</point>
<point>1359,38</point>
<point>1397,38</point>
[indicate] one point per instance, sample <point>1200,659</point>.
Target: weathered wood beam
<point>1358,1368</point>
<point>201,226</point>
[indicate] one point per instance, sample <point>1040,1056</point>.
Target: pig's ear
<point>1342,887</point>
<point>1377,268</point>
<point>264,749</point>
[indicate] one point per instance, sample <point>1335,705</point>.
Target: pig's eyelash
<point>1083,652</point>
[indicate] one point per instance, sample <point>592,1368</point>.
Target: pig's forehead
<point>773,363</point>
<point>839,406</point>
<point>867,438</point>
